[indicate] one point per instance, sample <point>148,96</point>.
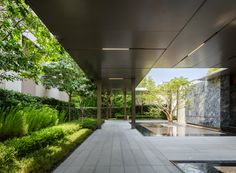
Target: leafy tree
<point>19,57</point>
<point>85,90</point>
<point>64,75</point>
<point>171,94</point>
<point>149,95</point>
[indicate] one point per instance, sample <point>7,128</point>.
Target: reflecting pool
<point>174,129</point>
<point>207,166</point>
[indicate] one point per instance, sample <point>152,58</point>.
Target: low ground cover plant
<point>52,154</point>
<point>41,150</point>
<point>89,123</point>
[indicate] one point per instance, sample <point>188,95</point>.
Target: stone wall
<point>209,103</point>
<point>233,102</point>
<point>225,112</point>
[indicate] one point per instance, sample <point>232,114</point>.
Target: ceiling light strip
<point>116,78</point>
<point>115,49</point>
<point>196,49</point>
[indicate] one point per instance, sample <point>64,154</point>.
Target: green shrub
<point>35,141</point>
<point>18,121</point>
<point>12,98</point>
<point>45,159</point>
<point>156,113</point>
<point>40,118</point>
<point>42,138</point>
<point>8,161</point>
<point>12,123</point>
<point>70,127</point>
<point>61,117</point>
<point>89,123</point>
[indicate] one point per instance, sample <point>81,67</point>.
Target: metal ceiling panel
<point>148,27</point>
<point>216,52</point>
<point>209,19</point>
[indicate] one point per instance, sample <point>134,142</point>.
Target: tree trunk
<point>142,109</point>
<point>107,108</point>
<point>124,105</point>
<point>69,107</point>
<point>81,109</point>
<point>110,112</point>
<point>168,117</point>
<point>171,118</point>
<point>177,103</point>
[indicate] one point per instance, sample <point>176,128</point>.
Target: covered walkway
<point>118,149</point>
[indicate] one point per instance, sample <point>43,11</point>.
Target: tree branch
<point>15,25</point>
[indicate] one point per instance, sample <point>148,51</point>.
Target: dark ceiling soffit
<point>202,4</point>
<point>217,32</point>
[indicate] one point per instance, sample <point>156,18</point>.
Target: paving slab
<point>118,149</point>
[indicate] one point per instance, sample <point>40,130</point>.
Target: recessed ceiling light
<point>116,78</point>
<point>196,49</point>
<point>122,49</point>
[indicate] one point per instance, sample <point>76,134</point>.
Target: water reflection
<point>174,129</point>
<point>207,167</point>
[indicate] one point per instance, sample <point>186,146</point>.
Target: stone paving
<point>118,149</point>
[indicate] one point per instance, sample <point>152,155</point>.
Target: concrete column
<point>99,103</point>
<point>133,103</point>
<point>125,114</point>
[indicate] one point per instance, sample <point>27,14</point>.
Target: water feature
<point>174,129</point>
<point>206,166</point>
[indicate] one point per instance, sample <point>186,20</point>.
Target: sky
<point>160,75</point>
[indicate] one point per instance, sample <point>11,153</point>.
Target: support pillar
<point>99,103</point>
<point>125,114</point>
<point>107,106</point>
<point>133,103</point>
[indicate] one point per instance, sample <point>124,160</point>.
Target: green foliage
<point>211,70</point>
<point>8,161</point>
<point>19,54</point>
<point>36,140</point>
<point>117,99</point>
<point>70,127</point>
<point>40,139</point>
<point>12,123</point>
<point>42,150</point>
<point>18,121</point>
<point>68,77</point>
<point>89,123</point>
<point>40,118</point>
<point>156,113</point>
<point>63,75</point>
<point>45,159</point>
<point>12,98</point>
<point>61,117</point>
<point>148,96</point>
<point>172,94</point>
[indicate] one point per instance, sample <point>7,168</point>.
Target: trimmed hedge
<point>44,160</point>
<point>7,159</point>
<point>88,123</point>
<point>40,139</point>
<point>42,150</point>
<point>9,98</point>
